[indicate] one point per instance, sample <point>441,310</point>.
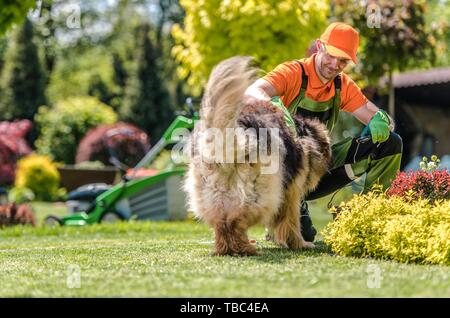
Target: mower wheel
<point>111,217</point>
<point>52,221</point>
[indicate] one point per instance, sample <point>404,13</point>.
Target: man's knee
<point>396,142</point>
<point>392,146</point>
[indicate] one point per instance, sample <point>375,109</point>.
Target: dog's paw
<point>249,250</point>
<point>300,245</point>
<point>308,245</point>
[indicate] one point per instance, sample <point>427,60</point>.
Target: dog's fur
<point>231,197</point>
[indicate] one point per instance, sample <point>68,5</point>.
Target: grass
<point>43,209</point>
<point>172,259</point>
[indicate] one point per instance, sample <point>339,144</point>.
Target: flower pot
<point>73,177</point>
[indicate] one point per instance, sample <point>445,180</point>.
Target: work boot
<point>307,229</point>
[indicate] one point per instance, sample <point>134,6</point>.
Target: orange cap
<point>341,40</point>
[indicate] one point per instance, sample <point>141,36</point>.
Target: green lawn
<point>164,259</point>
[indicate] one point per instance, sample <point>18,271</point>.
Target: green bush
<point>90,165</point>
<point>20,195</point>
<point>164,161</point>
<point>64,125</point>
<point>374,225</point>
<point>39,174</point>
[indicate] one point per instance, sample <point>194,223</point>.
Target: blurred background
<point>72,70</point>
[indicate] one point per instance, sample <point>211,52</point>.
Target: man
<point>316,87</point>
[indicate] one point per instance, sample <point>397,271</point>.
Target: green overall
<point>381,162</point>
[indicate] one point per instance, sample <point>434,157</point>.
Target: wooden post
<point>391,103</point>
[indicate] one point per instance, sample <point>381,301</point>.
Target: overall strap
<point>336,103</point>
<point>304,76</point>
<point>337,82</point>
<point>301,93</point>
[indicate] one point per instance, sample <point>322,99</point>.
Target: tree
<point>3,46</point>
<point>126,16</point>
<point>98,88</point>
<point>65,123</point>
<point>83,72</point>
<point>273,31</point>
<point>22,81</point>
<point>394,37</point>
<point>438,17</point>
<point>170,12</point>
<point>12,12</point>
<point>45,25</point>
<point>146,102</point>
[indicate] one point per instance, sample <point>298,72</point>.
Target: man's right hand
<point>256,101</point>
<point>259,94</point>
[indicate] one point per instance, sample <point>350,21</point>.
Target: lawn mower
<point>156,196</point>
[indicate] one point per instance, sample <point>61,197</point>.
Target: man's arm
<point>365,113</point>
<point>259,93</point>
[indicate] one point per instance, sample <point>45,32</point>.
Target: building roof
<point>420,78</point>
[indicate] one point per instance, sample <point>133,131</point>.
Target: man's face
<point>329,66</point>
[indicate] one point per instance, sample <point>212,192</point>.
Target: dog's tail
<point>222,100</point>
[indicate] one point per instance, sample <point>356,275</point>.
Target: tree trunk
<point>391,104</point>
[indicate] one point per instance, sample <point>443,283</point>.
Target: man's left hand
<point>379,126</point>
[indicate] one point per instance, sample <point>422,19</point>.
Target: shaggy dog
<point>233,195</point>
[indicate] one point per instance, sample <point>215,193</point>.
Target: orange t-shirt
<point>287,80</point>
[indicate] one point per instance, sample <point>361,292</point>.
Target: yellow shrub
<point>373,225</point>
<point>39,174</point>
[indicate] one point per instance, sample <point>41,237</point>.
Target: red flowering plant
<point>125,141</point>
<point>428,183</point>
<point>12,147</point>
<point>12,214</point>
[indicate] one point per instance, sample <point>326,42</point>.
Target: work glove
<point>276,101</point>
<point>378,127</point>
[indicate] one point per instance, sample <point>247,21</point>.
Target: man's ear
<point>312,48</point>
<point>318,45</point>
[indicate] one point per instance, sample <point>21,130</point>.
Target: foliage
<point>376,225</point>
<point>429,183</point>
<point>97,59</point>
<point>146,103</point>
<point>438,18</point>
<point>12,147</point>
<point>273,31</point>
<point>84,72</point>
<point>164,161</point>
<point>22,80</point>
<point>99,89</point>
<point>401,41</point>
<point>127,142</point>
<point>39,174</point>
<point>12,214</point>
<point>20,195</point>
<point>49,18</point>
<point>12,12</point>
<point>3,46</point>
<point>430,166</point>
<point>90,165</point>
<point>65,124</point>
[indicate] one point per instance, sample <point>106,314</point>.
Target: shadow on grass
<point>274,254</point>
